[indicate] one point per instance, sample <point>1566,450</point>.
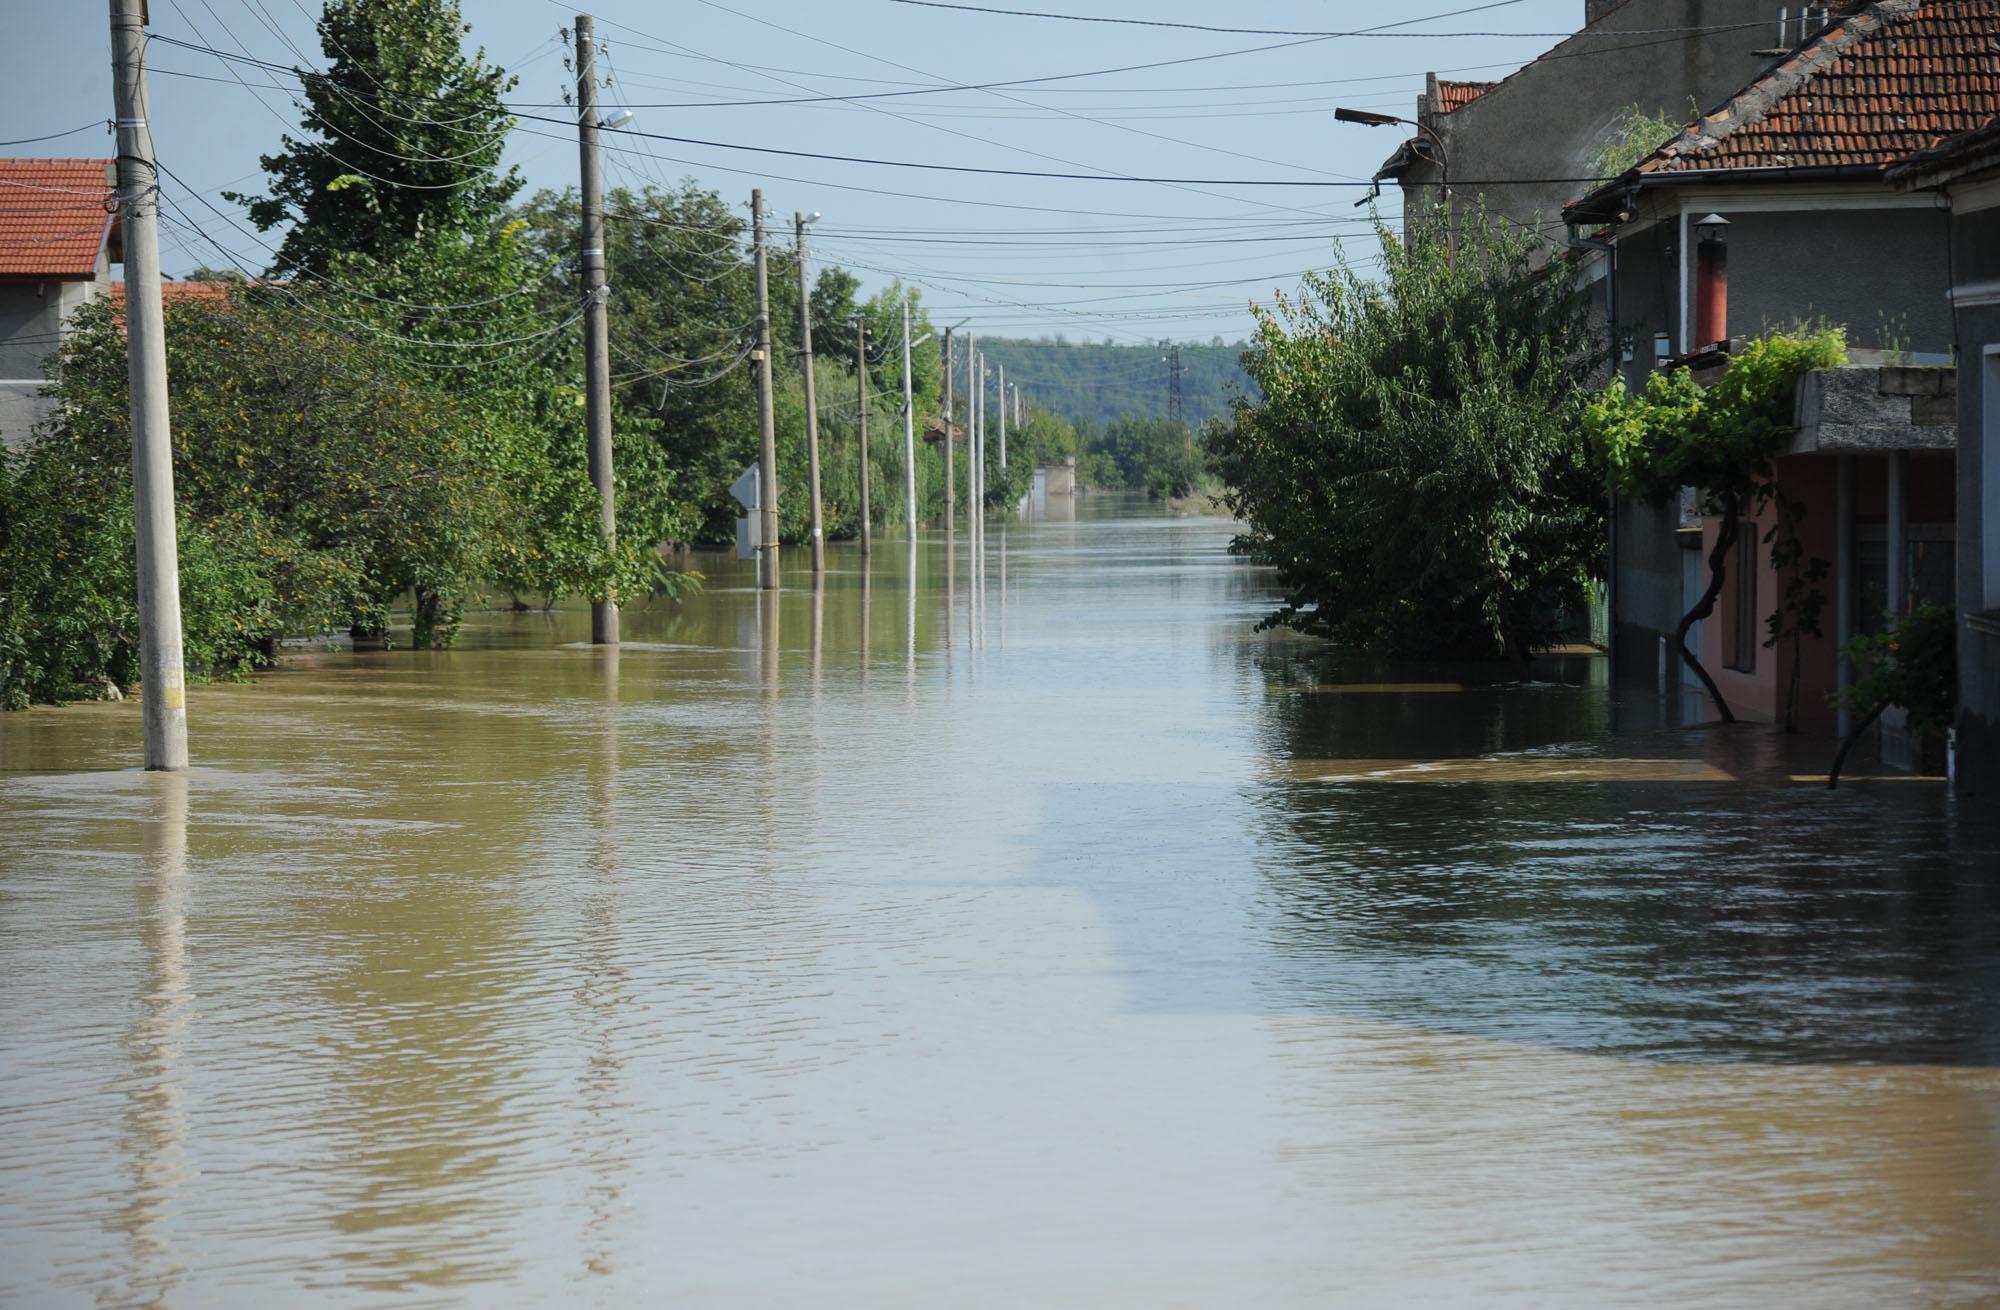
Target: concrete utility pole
<point>162,677</point>
<point>971,437</point>
<point>1003,416</point>
<point>861,394</point>
<point>799,225</point>
<point>767,428</point>
<point>596,320</point>
<point>950,473</point>
<point>1017,404</point>
<point>909,435</point>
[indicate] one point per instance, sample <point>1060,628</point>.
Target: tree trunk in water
<point>1833,776</point>
<point>1718,571</point>
<point>424,628</point>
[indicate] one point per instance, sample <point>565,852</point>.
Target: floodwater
<point>1041,937</point>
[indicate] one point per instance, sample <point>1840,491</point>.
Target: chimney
<point>1711,288</point>
<point>1596,9</point>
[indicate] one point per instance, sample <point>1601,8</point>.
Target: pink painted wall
<point>1760,693</point>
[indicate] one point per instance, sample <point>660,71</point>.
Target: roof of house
<point>56,217</point>
<point>1877,85</point>
<point>1977,151</point>
<point>1457,95</point>
<point>173,290</point>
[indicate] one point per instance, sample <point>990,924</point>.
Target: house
<point>59,237</point>
<point>1525,145</point>
<point>1770,209</point>
<point>1964,172</point>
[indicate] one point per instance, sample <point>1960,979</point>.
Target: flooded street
<point>1041,935</point>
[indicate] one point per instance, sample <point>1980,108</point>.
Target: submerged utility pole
<point>909,435</point>
<point>596,321</point>
<point>972,436</point>
<point>861,395</point>
<point>950,473</point>
<point>799,224</point>
<point>162,677</point>
<point>767,431</point>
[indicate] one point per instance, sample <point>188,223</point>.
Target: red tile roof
<point>54,217</point>
<point>181,290</point>
<point>1969,153</point>
<point>1891,79</point>
<point>1457,95</point>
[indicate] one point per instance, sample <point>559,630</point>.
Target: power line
<point>1385,29</point>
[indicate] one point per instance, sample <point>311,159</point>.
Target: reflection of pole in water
<point>601,994</point>
<point>1003,574</point>
<point>950,591</point>
<point>155,1117</point>
<point>867,594</point>
<point>767,642</point>
<point>818,627</point>
<point>910,615</point>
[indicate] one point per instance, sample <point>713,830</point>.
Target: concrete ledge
<point>1874,410</point>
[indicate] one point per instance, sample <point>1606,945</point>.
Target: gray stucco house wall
<point>1976,249</point>
<point>33,316</point>
<point>1547,119</point>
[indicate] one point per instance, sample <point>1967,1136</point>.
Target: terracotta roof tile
<point>1457,95</point>
<point>54,219</point>
<point>1969,153</point>
<point>1892,79</point>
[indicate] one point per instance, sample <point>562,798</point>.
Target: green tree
<point>403,137</point>
<point>1416,469</point>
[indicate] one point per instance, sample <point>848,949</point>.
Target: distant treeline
<point>1099,382</point>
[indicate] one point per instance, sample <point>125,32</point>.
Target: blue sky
<point>1018,256</point>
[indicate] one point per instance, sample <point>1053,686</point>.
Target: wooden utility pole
<point>596,320</point>
<point>909,435</point>
<point>162,677</point>
<point>950,473</point>
<point>799,222</point>
<point>861,395</point>
<point>767,428</point>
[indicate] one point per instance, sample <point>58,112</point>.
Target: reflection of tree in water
<point>1673,921</point>
<point>428,946</point>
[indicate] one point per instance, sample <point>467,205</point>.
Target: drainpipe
<point>1843,605</point>
<point>1609,249</point>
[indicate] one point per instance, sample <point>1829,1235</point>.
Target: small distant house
<point>59,237</point>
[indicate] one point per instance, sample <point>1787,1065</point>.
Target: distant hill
<point>1084,380</point>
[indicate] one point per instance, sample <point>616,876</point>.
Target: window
<point>1746,631</point>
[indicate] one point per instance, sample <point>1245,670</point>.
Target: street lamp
<point>612,122</point>
<point>1368,118</point>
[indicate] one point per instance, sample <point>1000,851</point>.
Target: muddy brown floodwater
<point>1041,938</point>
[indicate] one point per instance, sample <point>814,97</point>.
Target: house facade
<point>1964,172</point>
<point>1773,209</point>
<point>58,239</point>
<point>1524,146</point>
